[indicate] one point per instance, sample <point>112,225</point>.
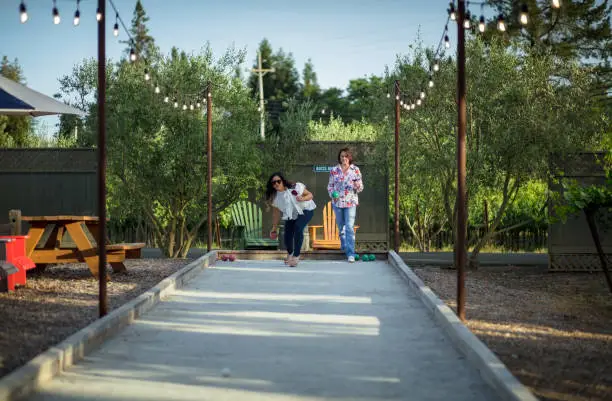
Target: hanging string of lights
<point>191,101</point>
<point>409,101</point>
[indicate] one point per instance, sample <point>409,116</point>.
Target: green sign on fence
<point>317,168</point>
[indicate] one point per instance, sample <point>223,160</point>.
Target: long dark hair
<point>270,191</point>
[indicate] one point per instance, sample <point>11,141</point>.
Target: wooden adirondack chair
<point>247,217</point>
<point>331,238</point>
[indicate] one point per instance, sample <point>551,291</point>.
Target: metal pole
<point>261,97</point>
<point>103,302</point>
<point>460,248</point>
<point>209,163</point>
<point>397,174</point>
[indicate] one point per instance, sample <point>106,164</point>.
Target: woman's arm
<point>275,218</point>
<point>306,196</point>
<point>330,184</point>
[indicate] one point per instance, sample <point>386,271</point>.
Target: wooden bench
<point>131,251</point>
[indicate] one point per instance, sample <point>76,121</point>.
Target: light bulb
<point>209,94</point>
<point>431,83</point>
<point>481,24</point>
<point>446,41</point>
<point>556,3</point>
<point>422,94</point>
<point>23,13</point>
<point>419,102</point>
<point>436,66</point>
<point>501,24</point>
<point>98,15</point>
<point>388,95</point>
<point>147,76</point>
<point>323,111</point>
<point>191,106</point>
<point>524,17</point>
<point>198,105</point>
<point>413,106</point>
<point>166,99</point>
<point>132,54</point>
<point>396,97</point>
<point>77,17</point>
<point>156,88</point>
<point>56,16</point>
<point>184,107</point>
<point>175,104</point>
<point>467,21</point>
<point>116,29</point>
<point>401,102</point>
<point>259,108</point>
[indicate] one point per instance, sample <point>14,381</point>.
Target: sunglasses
<point>274,182</point>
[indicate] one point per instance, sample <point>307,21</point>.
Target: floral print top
<point>345,185</point>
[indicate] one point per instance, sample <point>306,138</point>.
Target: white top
<point>285,201</point>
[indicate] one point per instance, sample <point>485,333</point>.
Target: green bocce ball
<point>356,257</point>
<point>335,195</point>
<point>372,257</point>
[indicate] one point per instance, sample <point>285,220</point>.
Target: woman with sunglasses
<point>295,203</point>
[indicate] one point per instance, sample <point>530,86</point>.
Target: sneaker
<point>351,259</point>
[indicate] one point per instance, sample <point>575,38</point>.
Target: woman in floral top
<point>345,182</point>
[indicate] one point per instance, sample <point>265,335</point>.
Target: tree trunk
<point>590,216</point>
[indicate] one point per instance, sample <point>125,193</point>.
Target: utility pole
<point>460,245</point>
<point>261,72</point>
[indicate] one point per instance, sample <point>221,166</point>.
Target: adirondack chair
<point>247,218</point>
<point>331,238</point>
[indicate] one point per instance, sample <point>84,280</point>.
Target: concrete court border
<point>26,379</point>
<point>491,369</point>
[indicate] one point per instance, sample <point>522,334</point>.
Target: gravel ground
<point>552,330</point>
<point>62,300</point>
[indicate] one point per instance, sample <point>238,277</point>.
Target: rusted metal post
<point>103,301</point>
<point>209,163</point>
<point>460,248</point>
<point>397,174</point>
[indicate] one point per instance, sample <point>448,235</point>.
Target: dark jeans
<point>294,232</point>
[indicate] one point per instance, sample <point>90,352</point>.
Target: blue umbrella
<point>19,100</point>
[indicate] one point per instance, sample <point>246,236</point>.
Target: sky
<point>345,39</point>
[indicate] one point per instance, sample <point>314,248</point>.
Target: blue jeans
<point>345,218</point>
<point>294,232</point>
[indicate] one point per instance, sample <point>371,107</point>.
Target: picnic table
<point>48,242</point>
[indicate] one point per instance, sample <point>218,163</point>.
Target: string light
<point>77,14</point>
<point>166,99</point>
<point>98,15</point>
<point>481,24</point>
<point>146,75</point>
<point>451,11</point>
<point>524,16</point>
<point>116,27</point>
<point>556,3</point>
<point>446,41</point>
<point>436,66</point>
<point>23,13</point>
<point>157,90</point>
<point>467,23</point>
<point>132,55</point>
<point>501,24</point>
<point>56,16</point>
<point>431,82</point>
<point>175,103</point>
